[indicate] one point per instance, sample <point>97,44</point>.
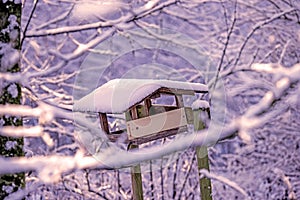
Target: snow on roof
<point>117,95</point>
<point>198,104</point>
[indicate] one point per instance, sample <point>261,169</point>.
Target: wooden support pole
<point>202,156</point>
<point>147,103</point>
<point>203,163</point>
<point>136,176</point>
<point>179,101</point>
<point>103,122</point>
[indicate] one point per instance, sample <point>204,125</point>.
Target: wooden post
<point>179,100</point>
<point>136,176</point>
<point>104,122</point>
<point>202,156</point>
<point>147,103</point>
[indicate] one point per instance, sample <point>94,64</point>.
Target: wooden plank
<point>134,116</point>
<point>180,91</point>
<point>156,123</point>
<point>159,135</point>
<point>202,158</point>
<point>179,101</point>
<point>113,136</point>
<point>134,113</point>
<point>176,91</point>
<point>103,122</point>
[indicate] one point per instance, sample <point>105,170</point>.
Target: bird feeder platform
<point>136,98</point>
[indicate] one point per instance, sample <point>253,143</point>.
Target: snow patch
<point>13,90</point>
<point>94,9</point>
<point>10,57</point>
<point>10,145</point>
<point>15,1</point>
<point>7,188</point>
<point>200,104</point>
<point>12,19</point>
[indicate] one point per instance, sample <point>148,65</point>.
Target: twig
<point>187,175</point>
<point>225,46</point>
<point>257,27</point>
<point>28,22</point>
<point>225,181</point>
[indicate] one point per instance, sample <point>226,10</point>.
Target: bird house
<point>153,109</point>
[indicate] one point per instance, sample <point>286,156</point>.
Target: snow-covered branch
<point>36,131</point>
<point>147,9</point>
<point>292,195</point>
<point>12,78</point>
<point>225,181</point>
<point>257,27</point>
<point>104,160</point>
<point>286,76</point>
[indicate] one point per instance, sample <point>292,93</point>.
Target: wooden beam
<point>203,163</point>
<point>103,122</point>
<point>176,91</point>
<point>202,157</point>
<point>113,136</point>
<point>134,113</point>
<point>147,103</point>
<point>179,100</point>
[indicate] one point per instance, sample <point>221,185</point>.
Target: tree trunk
<point>10,93</point>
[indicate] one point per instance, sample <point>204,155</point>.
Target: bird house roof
<point>118,95</point>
